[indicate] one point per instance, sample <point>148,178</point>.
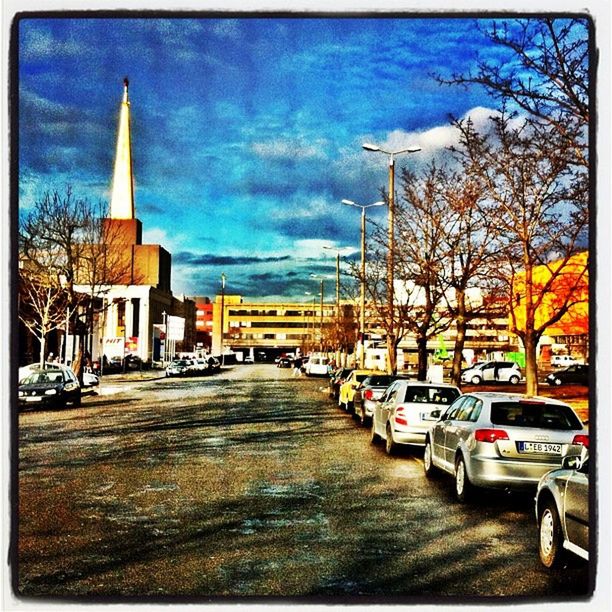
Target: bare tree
<point>544,71</point>
<point>64,237</point>
<point>539,202</point>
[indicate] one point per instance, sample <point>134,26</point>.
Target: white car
<point>560,361</point>
<point>403,415</point>
<point>492,371</point>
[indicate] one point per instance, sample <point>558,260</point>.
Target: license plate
<point>539,447</point>
<point>33,399</point>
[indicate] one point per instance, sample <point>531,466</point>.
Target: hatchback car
<point>492,371</point>
<point>50,387</point>
<point>561,361</point>
<point>572,374</point>
<point>501,440</point>
<point>562,510</point>
<point>349,386</point>
<point>366,394</point>
<point>403,415</point>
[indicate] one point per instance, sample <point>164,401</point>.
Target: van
<point>560,361</point>
<point>317,365</point>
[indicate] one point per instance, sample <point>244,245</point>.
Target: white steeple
<point>122,198</point>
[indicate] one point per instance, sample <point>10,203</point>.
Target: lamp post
<point>363,275</point>
<point>391,243</point>
<point>222,314</point>
<point>321,310</point>
<point>165,320</point>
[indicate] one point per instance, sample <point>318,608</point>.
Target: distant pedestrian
<point>297,367</point>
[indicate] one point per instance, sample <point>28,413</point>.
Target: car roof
<point>498,395</point>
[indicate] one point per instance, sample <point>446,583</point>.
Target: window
<point>536,415</point>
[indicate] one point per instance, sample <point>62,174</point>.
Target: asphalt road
<point>253,484</point>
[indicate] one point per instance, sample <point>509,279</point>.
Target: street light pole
<point>391,247</point>
<point>363,275</point>
<point>222,315</point>
<point>321,309</point>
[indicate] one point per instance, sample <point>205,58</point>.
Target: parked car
<point>560,361</point>
<point>336,379</point>
<point>50,388</point>
<point>181,367</point>
<point>89,378</point>
<point>284,362</point>
<point>501,440</point>
<point>562,510</point>
<point>492,371</point>
<point>347,389</point>
<point>403,415</point>
<point>248,359</point>
<point>366,394</point>
<point>571,374</point>
<point>317,365</point>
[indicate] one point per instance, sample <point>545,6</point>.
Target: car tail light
<point>490,435</point>
<point>369,394</point>
<point>400,417</point>
<point>581,439</point>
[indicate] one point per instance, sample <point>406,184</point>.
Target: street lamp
<point>319,277</point>
<point>222,314</point>
<point>390,255</point>
<point>363,275</point>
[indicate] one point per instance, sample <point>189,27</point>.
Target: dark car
<point>50,388</point>
<point>366,394</point>
<point>576,373</point>
<point>284,362</point>
<point>338,377</point>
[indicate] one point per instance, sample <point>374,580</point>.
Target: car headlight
<point>70,386</point>
<point>22,393</point>
<point>51,392</point>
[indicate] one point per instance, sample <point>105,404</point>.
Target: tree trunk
<point>530,342</point>
<point>43,348</point>
<point>422,357</point>
<point>392,343</point>
<point>461,324</point>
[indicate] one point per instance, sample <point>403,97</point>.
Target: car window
<point>464,411</point>
<point>475,412</point>
<point>430,395</point>
<point>540,415</point>
<point>454,408</point>
<point>392,389</point>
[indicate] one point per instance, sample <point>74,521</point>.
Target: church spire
<point>122,198</point>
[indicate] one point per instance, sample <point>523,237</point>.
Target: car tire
<point>514,379</point>
<point>558,381</point>
<point>428,466</point>
<point>77,400</point>
<point>550,538</point>
<point>363,417</point>
<point>390,445</point>
<point>374,437</point>
<point>350,408</point>
<point>476,380</point>
<point>463,486</point>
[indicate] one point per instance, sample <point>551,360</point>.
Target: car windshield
<point>181,362</point>
<point>431,395</point>
<point>48,376</point>
<point>379,381</point>
<point>538,415</point>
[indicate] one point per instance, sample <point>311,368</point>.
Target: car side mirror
<point>435,414</point>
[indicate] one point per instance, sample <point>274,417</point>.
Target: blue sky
<point>246,133</point>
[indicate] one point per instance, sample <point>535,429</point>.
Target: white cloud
<point>172,242</point>
<point>287,149</point>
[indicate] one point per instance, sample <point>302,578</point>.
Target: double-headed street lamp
<point>391,230</point>
<point>363,275</point>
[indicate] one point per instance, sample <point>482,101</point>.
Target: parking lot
<point>253,483</point>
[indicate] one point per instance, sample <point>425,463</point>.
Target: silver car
<point>366,395</point>
<point>502,440</point>
<point>562,510</point>
<point>403,415</point>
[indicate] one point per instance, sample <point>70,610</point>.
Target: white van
<point>559,361</point>
<point>317,365</point>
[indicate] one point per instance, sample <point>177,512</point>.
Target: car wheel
<point>374,437</point>
<point>77,400</point>
<point>390,445</point>
<point>350,407</point>
<point>428,465</point>
<point>463,486</point>
<point>557,381</point>
<point>550,547</point>
<point>476,380</point>
<point>363,419</point>
<point>514,379</point>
